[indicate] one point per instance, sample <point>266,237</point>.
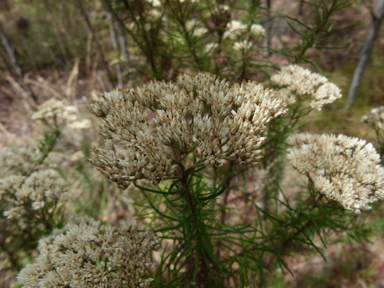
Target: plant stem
<point>277,235</point>
<point>99,48</point>
<point>317,31</point>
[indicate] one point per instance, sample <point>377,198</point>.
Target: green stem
<point>317,31</point>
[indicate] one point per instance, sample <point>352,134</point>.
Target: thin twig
<point>99,48</point>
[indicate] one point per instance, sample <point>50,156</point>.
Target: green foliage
<point>206,243</point>
<point>24,231</point>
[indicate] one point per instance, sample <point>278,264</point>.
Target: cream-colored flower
<point>39,190</point>
<point>86,254</point>
<point>200,31</point>
<point>19,161</point>
<point>82,124</point>
<point>210,47</point>
<point>256,30</point>
<point>154,3</point>
<point>56,109</point>
<point>193,24</point>
<point>220,8</point>
<point>199,114</point>
<point>61,115</point>
<point>299,82</point>
<point>235,30</point>
<point>375,118</point>
<point>347,169</point>
<point>244,45</point>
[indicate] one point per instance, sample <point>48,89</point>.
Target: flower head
<point>154,3</point>
<point>86,254</point>
<point>347,169</point>
<point>244,45</point>
<point>235,30</point>
<point>55,108</point>
<point>375,118</point>
<point>193,24</point>
<point>296,82</point>
<point>19,161</point>
<point>210,47</point>
<point>256,30</point>
<point>42,189</point>
<point>150,129</point>
<point>62,115</point>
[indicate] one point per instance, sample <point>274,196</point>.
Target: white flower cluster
<point>210,48</point>
<point>150,129</point>
<point>155,3</point>
<point>256,30</point>
<point>85,254</point>
<point>55,108</point>
<point>296,82</point>
<point>19,161</point>
<point>347,169</point>
<point>61,113</point>
<point>25,187</point>
<point>198,31</point>
<point>244,45</point>
<point>375,118</point>
<point>40,190</point>
<point>236,30</point>
<point>220,8</point>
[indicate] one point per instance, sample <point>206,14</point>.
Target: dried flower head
<point>256,30</point>
<point>19,161</point>
<point>155,3</point>
<point>61,114</point>
<point>81,124</point>
<point>244,45</point>
<point>210,47</point>
<point>347,169</point>
<point>296,82</point>
<point>193,25</point>
<point>219,9</point>
<point>41,190</point>
<point>85,254</point>
<point>56,109</point>
<point>375,118</point>
<point>150,129</point>
<point>236,30</point>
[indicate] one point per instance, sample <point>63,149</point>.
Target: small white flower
<point>300,82</point>
<point>242,45</point>
<point>375,118</point>
<point>154,3</point>
<point>200,31</point>
<point>210,47</point>
<point>347,169</point>
<point>235,30</point>
<point>123,255</point>
<point>38,205</point>
<point>55,108</point>
<point>257,30</point>
<point>200,113</point>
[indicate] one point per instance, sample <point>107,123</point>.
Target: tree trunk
<point>12,58</point>
<point>115,45</point>
<point>8,49</point>
<point>124,50</point>
<point>94,36</point>
<point>365,54</point>
<point>268,28</point>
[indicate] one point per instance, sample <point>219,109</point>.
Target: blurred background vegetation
<point>74,50</point>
